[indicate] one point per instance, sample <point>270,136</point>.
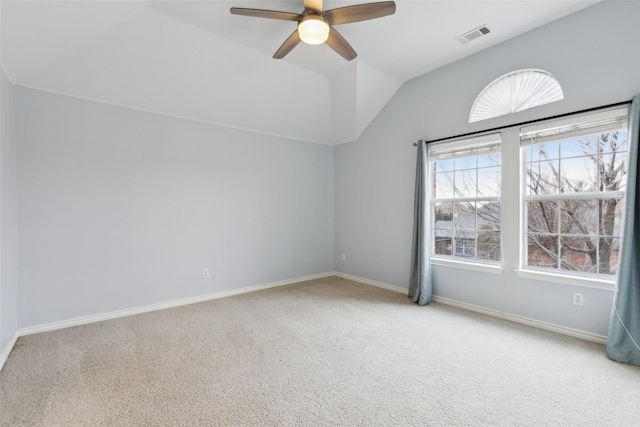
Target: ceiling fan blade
<point>270,14</point>
<point>288,45</point>
<point>340,45</point>
<point>360,12</point>
<point>315,5</point>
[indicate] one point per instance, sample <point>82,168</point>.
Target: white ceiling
<point>194,59</point>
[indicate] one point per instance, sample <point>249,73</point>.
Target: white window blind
<point>476,146</point>
<point>572,127</point>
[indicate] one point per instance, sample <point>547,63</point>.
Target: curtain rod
<point>588,110</point>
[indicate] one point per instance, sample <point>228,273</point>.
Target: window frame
<point>491,140</point>
<point>558,275</point>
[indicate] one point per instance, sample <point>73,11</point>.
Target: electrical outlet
<point>343,258</point>
<point>578,299</point>
<point>205,273</point>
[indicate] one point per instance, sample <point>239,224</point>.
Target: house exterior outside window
<point>465,200</point>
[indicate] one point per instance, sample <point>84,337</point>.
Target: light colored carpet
<point>323,352</point>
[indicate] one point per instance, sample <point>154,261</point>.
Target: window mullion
<point>559,225</point>
<point>475,218</point>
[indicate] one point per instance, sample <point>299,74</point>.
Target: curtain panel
<point>623,341</point>
<point>420,278</point>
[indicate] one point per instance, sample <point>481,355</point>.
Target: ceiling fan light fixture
<point>313,29</point>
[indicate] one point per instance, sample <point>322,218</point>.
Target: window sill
<point>585,282</point>
<point>466,265</point>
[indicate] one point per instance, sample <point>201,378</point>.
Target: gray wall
<point>593,53</point>
<point>119,208</point>
<point>8,210</point>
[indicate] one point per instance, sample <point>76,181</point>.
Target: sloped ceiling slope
<point>194,59</point>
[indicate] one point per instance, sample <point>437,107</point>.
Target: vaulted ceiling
<point>194,59</point>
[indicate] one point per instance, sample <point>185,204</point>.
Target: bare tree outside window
<point>575,202</point>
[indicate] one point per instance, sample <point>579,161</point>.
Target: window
<point>515,91</point>
<point>573,204</point>
<point>465,199</point>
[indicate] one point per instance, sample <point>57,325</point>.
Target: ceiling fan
<point>315,26</point>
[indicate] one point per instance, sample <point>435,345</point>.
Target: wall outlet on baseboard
<point>578,299</point>
<point>343,257</point>
<point>205,273</point>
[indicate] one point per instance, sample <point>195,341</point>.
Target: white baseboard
<point>372,282</point>
<point>466,306</point>
<point>7,351</point>
<point>160,306</point>
<point>577,333</point>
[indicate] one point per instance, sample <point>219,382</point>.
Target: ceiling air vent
<point>474,34</point>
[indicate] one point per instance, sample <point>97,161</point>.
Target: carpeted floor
<point>324,352</point>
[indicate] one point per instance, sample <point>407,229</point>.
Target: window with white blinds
<point>574,192</point>
<point>465,199</point>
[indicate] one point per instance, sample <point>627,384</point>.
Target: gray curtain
<point>420,280</point>
<point>623,341</point>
